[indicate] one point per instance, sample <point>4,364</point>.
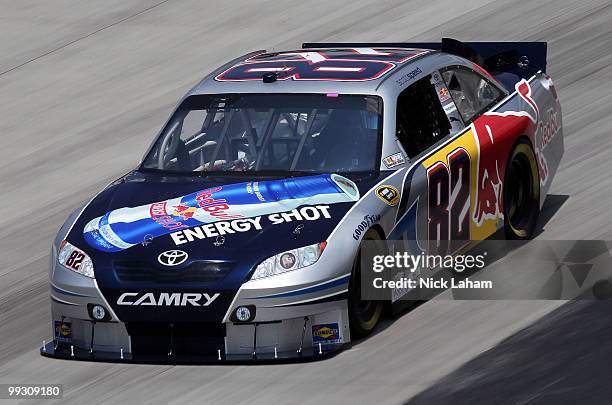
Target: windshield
<point>271,132</point>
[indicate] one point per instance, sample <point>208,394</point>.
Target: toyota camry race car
<point>237,236</point>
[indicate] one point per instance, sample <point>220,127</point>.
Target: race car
<point>237,236</point>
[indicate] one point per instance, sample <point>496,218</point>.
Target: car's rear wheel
<point>363,314</point>
<point>521,193</point>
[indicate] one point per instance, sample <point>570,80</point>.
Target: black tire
<point>363,315</point>
<point>521,193</point>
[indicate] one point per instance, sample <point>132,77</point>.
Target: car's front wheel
<point>363,314</point>
<point>521,193</point>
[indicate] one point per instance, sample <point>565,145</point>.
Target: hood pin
<point>219,241</point>
<point>298,230</point>
<point>148,238</point>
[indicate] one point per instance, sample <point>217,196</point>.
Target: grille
<point>183,338</point>
<point>197,272</point>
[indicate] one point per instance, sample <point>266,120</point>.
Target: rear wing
<point>522,59</point>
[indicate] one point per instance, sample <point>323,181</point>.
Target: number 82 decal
<point>448,221</point>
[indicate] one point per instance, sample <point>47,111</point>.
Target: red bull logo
<point>547,130</point>
<point>159,215</point>
<point>495,133</point>
<point>184,211</point>
<point>217,207</point>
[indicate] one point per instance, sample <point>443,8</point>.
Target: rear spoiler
<point>523,59</point>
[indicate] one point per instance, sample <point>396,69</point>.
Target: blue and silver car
<point>237,237</point>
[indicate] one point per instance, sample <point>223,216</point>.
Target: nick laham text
<point>434,283</point>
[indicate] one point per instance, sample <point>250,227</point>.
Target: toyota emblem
<point>172,257</point>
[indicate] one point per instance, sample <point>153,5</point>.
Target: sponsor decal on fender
<point>394,160</point>
<point>63,331</point>
<point>326,333</point>
<point>368,221</point>
<point>389,194</point>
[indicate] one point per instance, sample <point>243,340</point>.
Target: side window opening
<point>420,118</point>
<point>472,93</point>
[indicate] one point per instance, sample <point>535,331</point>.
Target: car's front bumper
<point>67,352</point>
<point>291,323</point>
<point>161,342</point>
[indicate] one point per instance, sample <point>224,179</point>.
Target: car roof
<point>336,70</point>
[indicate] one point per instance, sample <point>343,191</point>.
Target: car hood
<point>225,219</point>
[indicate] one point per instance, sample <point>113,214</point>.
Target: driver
<point>339,144</point>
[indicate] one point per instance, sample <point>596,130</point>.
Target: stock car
<point>236,237</point>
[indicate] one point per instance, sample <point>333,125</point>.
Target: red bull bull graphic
<point>123,228</point>
<point>184,211</point>
<point>495,134</point>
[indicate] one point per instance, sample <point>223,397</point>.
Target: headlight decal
<point>75,259</point>
<point>288,261</point>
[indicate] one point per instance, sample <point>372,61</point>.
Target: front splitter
<point>292,356</point>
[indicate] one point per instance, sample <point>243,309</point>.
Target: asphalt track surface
<point>84,87</point>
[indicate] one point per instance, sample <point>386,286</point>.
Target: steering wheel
<point>169,146</point>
